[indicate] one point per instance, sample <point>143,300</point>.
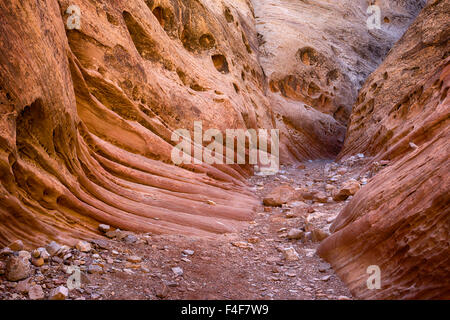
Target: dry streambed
<point>273,258</point>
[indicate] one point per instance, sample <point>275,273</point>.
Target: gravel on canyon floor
<point>273,258</point>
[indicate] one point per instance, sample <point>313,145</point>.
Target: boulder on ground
<point>17,268</point>
<point>279,196</point>
<point>349,188</point>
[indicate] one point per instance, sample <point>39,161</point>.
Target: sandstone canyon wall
<point>317,55</point>
<point>400,221</point>
<point>87,116</point>
<point>86,119</point>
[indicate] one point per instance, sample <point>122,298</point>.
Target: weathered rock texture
<point>400,221</point>
<point>87,116</point>
<point>316,56</point>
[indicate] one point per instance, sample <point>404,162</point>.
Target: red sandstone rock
<point>316,55</point>
<point>279,196</point>
<point>400,220</point>
<point>17,269</point>
<point>318,235</point>
<point>349,188</point>
<point>87,116</point>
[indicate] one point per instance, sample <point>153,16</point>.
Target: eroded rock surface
<point>88,113</point>
<point>400,220</point>
<point>316,56</point>
<point>87,116</point>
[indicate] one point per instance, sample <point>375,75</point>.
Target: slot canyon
<point>90,101</point>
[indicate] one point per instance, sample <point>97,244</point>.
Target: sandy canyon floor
<point>250,264</point>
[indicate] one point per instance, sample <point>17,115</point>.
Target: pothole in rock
<point>220,63</point>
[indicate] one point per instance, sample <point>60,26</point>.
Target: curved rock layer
<point>87,116</point>
<point>400,221</point>
<point>317,55</point>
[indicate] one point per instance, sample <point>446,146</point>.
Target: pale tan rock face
<point>316,56</point>
<point>399,221</point>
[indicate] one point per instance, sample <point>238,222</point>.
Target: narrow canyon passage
<point>273,258</point>
<point>125,112</point>
<point>92,101</point>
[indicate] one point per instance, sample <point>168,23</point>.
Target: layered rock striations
<point>400,221</point>
<point>317,55</point>
<point>87,116</point>
<point>91,93</point>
